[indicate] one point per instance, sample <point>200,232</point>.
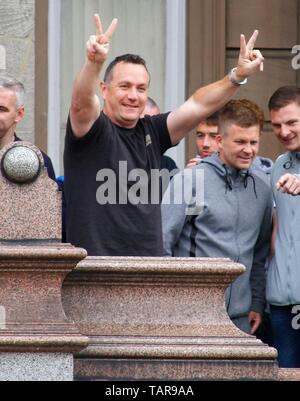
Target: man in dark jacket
<point>12,111</point>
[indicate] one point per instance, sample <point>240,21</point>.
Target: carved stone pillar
<point>37,340</point>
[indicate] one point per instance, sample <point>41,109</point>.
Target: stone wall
<point>17,53</point>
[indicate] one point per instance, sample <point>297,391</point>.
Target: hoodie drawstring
<point>248,175</point>
<point>227,179</point>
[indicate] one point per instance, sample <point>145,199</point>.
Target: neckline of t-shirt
<point>122,129</point>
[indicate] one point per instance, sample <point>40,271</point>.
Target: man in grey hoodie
<point>283,280</point>
<point>232,215</point>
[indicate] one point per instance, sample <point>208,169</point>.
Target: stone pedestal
<point>37,340</point>
<point>161,319</point>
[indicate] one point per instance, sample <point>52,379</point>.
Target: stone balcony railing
<point>161,318</point>
<point>122,318</point>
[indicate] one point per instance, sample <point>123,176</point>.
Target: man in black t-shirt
<point>112,157</point>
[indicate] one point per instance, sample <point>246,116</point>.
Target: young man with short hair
<point>283,279</point>
<point>206,139</point>
<point>233,219</point>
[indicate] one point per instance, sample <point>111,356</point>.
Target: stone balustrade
<point>122,317</point>
<point>161,318</point>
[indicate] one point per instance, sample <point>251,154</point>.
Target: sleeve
<point>261,253</point>
<point>173,216</point>
<point>168,163</point>
<point>49,166</point>
<point>75,143</point>
<point>159,122</point>
<point>176,206</point>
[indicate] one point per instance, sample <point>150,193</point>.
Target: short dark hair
<point>213,119</point>
<point>125,58</point>
<point>243,113</point>
<point>284,96</point>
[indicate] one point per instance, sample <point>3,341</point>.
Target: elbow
<point>76,107</point>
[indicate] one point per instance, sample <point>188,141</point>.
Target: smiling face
<point>239,146</point>
<point>206,139</point>
<point>126,94</point>
<point>286,125</point>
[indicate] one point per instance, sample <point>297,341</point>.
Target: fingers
<point>256,55</point>
<point>192,163</point>
<point>111,29</point>
<point>99,29</point>
<point>283,183</point>
<point>252,40</point>
<point>91,44</point>
<point>243,46</point>
<point>98,45</point>
<point>289,184</point>
<point>254,326</point>
<point>255,320</point>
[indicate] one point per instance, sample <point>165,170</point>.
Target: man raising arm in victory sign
<point>106,146</point>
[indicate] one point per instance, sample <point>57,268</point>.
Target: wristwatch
<point>232,78</point>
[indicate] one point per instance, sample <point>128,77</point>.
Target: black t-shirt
<point>91,165</point>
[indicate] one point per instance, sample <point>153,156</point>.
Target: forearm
<point>214,96</point>
<point>204,102</point>
<point>85,86</point>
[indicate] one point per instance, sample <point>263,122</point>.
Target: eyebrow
<point>292,120</point>
<point>131,83</point>
<point>209,133</point>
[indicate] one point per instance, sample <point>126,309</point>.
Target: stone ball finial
<point>21,165</point>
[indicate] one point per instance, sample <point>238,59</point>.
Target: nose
<point>132,93</point>
<point>207,142</point>
<point>248,148</point>
<point>284,130</point>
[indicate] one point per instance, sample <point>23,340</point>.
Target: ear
<point>20,114</point>
<point>103,89</point>
<point>219,140</point>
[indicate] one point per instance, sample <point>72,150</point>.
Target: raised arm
<point>208,99</point>
<point>85,104</point>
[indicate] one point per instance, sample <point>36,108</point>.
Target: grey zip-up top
<point>283,279</point>
<point>235,223</point>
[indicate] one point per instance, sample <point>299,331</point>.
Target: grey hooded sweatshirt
<point>283,280</point>
<point>232,219</point>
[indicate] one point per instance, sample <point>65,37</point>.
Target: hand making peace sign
<point>249,60</point>
<point>98,45</point>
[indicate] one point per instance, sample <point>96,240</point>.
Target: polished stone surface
<point>31,278</point>
<point>37,340</point>
<point>21,164</point>
<point>30,211</point>
<point>161,318</point>
<point>36,367</point>
<point>289,374</point>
